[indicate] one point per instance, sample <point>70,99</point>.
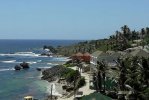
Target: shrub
<point>81,82</point>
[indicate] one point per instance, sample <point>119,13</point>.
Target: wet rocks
<point>23,65</point>
<point>17,67</point>
<point>53,73</point>
<point>38,69</point>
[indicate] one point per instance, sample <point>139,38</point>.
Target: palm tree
<point>134,35</point>
<point>143,32</point>
<point>136,77</point>
<point>101,75</point>
<point>147,31</point>
<point>126,31</point>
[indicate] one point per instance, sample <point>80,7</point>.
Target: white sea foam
<point>39,60</point>
<point>30,77</point>
<point>49,63</point>
<point>63,59</point>
<point>32,62</point>
<point>52,64</point>
<point>8,61</point>
<point>44,67</point>
<point>6,69</point>
<point>24,53</point>
<point>54,91</point>
<point>30,54</point>
<point>14,61</point>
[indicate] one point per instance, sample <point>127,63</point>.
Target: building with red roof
<point>81,57</point>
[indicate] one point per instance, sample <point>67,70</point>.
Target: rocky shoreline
<point>53,73</point>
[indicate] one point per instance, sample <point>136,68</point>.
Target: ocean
<point>14,85</point>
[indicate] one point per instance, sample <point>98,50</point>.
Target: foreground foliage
<point>134,76</point>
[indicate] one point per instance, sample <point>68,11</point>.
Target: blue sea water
<point>14,85</point>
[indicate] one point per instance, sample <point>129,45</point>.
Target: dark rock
<point>24,65</point>
<point>112,94</point>
<point>39,69</point>
<point>17,67</point>
<point>51,74</point>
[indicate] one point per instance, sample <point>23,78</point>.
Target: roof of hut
<point>79,54</point>
<point>86,54</point>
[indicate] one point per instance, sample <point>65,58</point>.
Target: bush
<point>69,65</point>
<point>81,82</point>
<point>70,75</point>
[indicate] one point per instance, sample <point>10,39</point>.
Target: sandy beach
<point>56,89</point>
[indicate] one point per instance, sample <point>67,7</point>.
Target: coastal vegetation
<point>69,75</point>
<point>132,82</point>
<point>120,40</point>
<point>130,79</point>
<point>133,77</point>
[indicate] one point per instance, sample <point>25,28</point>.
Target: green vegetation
<point>71,75</point>
<point>69,65</point>
<point>133,76</point>
<point>120,40</point>
<point>51,48</point>
<point>81,82</point>
<point>109,84</point>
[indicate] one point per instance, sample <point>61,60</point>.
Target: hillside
<point>120,40</point>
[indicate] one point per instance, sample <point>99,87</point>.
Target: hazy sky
<point>69,19</point>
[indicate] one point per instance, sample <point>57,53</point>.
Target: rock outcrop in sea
<point>23,65</point>
<point>17,67</point>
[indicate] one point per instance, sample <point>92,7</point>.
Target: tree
<point>134,35</point>
<point>126,32</point>
<point>147,31</point>
<point>143,32</point>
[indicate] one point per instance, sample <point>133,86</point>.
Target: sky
<point>70,19</point>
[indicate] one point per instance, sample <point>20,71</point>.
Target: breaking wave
<point>8,61</point>
<point>14,61</point>
<point>62,59</point>
<point>32,62</point>
<point>52,64</point>
<point>8,69</point>
<point>29,54</point>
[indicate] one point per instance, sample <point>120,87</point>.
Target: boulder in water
<point>17,67</point>
<point>24,65</point>
<point>39,69</point>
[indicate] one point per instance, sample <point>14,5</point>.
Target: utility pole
<point>51,91</point>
